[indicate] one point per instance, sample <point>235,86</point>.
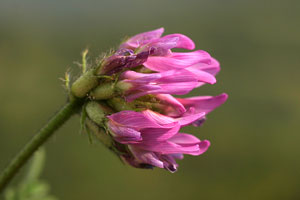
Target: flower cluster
<point>141,116</point>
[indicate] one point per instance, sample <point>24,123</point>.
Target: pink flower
<point>172,73</point>
<point>162,59</point>
<point>154,139</point>
<point>178,82</point>
<point>144,65</point>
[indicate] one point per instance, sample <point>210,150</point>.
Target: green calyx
<point>103,91</point>
<point>84,84</point>
<point>95,112</point>
<point>96,123</point>
<point>100,133</point>
<point>119,104</point>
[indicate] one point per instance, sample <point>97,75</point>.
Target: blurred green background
<point>255,136</point>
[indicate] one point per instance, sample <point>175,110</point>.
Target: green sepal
<point>83,128</point>
<point>102,135</point>
<point>31,188</point>
<point>84,84</point>
<point>103,91</point>
<point>95,112</point>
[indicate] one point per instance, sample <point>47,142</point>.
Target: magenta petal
<point>203,103</point>
<point>172,88</point>
<point>178,156</point>
<point>169,163</point>
<point>213,67</point>
<point>203,146</point>
<point>148,88</point>
<point>183,41</point>
<point>176,76</point>
<point>176,88</point>
<point>169,148</point>
<point>161,46</point>
<point>159,118</point>
<point>178,82</point>
<point>159,134</point>
<point>145,157</point>
<point>188,119</point>
<point>142,38</point>
<point>140,77</point>
<point>172,106</point>
<point>176,60</point>
<point>183,138</point>
<point>132,119</point>
<point>125,135</point>
<point>202,76</point>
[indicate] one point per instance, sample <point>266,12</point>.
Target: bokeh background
<point>255,136</point>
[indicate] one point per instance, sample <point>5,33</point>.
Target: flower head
<point>130,104</point>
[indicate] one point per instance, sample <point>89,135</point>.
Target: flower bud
<point>137,117</point>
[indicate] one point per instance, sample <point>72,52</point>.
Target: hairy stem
<point>37,140</point>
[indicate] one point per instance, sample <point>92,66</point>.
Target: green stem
<point>40,138</point>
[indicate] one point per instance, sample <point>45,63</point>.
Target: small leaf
<point>31,188</point>
<point>36,166</point>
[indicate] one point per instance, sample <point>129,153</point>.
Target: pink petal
<point>148,88</point>
<point>142,38</point>
<point>180,88</point>
<point>169,148</point>
<point>145,157</point>
<point>169,163</point>
<point>183,138</point>
<point>161,46</point>
<point>202,76</point>
<point>159,134</point>
<point>183,41</point>
<point>203,103</point>
<point>178,82</point>
<point>132,119</point>
<point>203,146</point>
<point>177,156</point>
<point>136,77</point>
<point>177,60</point>
<point>176,76</point>
<point>213,67</point>
<point>188,119</point>
<point>158,118</point>
<point>176,88</point>
<point>124,135</point>
<point>172,106</point>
